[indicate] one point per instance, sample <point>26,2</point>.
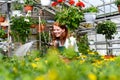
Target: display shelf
<point>109,41</point>
<point>108,48</point>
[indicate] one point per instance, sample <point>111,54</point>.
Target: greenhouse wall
<point>97,42</point>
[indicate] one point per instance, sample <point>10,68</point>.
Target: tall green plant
<point>107,28</point>
<point>20,28</point>
<point>83,45</point>
<point>2,33</point>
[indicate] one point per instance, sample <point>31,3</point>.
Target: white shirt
<point>69,42</point>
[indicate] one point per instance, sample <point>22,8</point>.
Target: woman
<point>60,37</point>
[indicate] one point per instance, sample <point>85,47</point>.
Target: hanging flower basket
<point>40,28</point>
<point>119,8</point>
<point>28,8</point>
<point>4,27</point>
<point>90,17</point>
<point>117,3</point>
<point>2,18</point>
<point>33,26</point>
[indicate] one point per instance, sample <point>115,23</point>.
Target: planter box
<point>90,17</point>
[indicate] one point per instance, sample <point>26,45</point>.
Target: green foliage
<point>83,45</point>
<point>91,9</point>
<point>43,21</point>
<point>71,17</point>
<point>107,28</point>
<point>36,21</point>
<point>2,15</point>
<point>20,28</point>
<point>117,2</point>
<point>2,33</point>
<point>51,67</point>
<point>29,2</point>
<point>69,53</point>
<point>45,39</point>
<point>17,5</point>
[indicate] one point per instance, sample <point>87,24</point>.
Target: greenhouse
<point>59,39</point>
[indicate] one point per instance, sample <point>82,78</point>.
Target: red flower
<point>54,4</point>
<point>71,2</point>
<point>80,4</point>
<point>60,1</point>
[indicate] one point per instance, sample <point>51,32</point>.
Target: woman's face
<point>57,31</point>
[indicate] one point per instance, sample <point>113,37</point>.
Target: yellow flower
<point>52,74</point>
<point>82,61</point>
<point>37,59</point>
<point>109,58</point>
<point>98,62</point>
<point>92,53</point>
<point>40,78</point>
<point>22,63</point>
<point>102,57</point>
<point>92,76</point>
<point>88,50</point>
<point>15,69</point>
<point>112,59</point>
<point>83,56</point>
<point>33,65</point>
<point>113,77</point>
<point>46,61</point>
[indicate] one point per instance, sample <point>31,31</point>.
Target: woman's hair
<point>63,35</point>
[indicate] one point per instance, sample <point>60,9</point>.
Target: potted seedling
<point>40,27</point>
<point>117,3</point>
<point>2,17</point>
<point>90,14</point>
<point>28,5</point>
<point>16,8</point>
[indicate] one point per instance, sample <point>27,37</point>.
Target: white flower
<point>27,20</point>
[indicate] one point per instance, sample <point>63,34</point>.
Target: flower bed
<point>51,67</point>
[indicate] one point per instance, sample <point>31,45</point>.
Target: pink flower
<point>54,4</point>
<point>71,2</point>
<point>80,4</point>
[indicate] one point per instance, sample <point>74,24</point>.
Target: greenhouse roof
<point>105,7</point>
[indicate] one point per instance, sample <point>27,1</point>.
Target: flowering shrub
<point>69,15</point>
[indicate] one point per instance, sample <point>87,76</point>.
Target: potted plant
<point>70,16</point>
<point>107,28</point>
<point>90,14</point>
<point>42,25</point>
<point>117,3</point>
<point>16,8</point>
<point>28,5</point>
<point>2,17</point>
<point>21,27</point>
<point>35,22</point>
<point>2,33</point>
